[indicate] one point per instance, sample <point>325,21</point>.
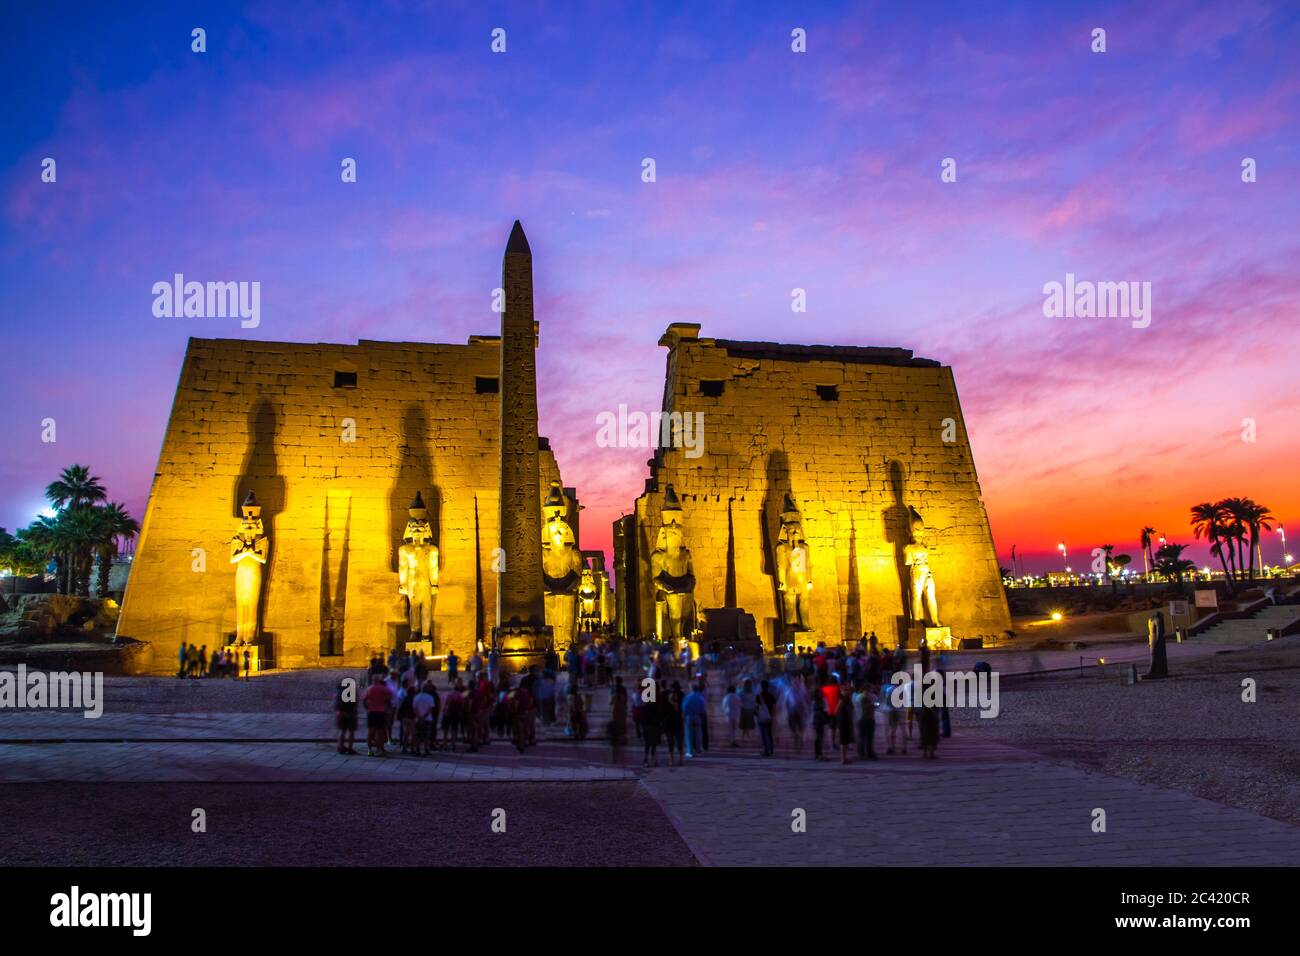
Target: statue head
<point>791,522</point>
<point>250,523</point>
<point>555,505</point>
<point>671,512</point>
<point>918,526</point>
<point>671,536</point>
<point>555,508</point>
<point>417,530</point>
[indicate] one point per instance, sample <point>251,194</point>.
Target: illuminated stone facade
<point>851,447</point>
<point>858,437</point>
<point>335,440</point>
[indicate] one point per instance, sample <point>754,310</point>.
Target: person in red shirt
<point>481,699</point>
<point>377,699</point>
<point>831,691</point>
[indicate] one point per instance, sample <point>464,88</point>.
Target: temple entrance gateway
<point>790,510</point>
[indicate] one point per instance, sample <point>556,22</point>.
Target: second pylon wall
<point>856,437</point>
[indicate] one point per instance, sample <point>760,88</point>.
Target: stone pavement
<point>205,761</point>
<point>1002,814</point>
<point>23,726</point>
<point>1116,653</point>
<point>983,802</point>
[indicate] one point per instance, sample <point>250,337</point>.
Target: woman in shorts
<point>345,716</point>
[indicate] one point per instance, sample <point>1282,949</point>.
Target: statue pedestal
<point>415,647</point>
<point>940,639</point>
<point>800,638</point>
<point>936,638</point>
<point>519,646</point>
<point>254,659</point>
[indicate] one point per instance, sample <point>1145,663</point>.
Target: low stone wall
<point>125,658</point>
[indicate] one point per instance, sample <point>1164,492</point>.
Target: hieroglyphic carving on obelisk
<point>519,586</point>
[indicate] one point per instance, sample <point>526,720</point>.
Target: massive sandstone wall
<point>268,416</point>
<point>854,465</point>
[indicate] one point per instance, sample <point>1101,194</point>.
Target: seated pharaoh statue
<point>561,568</point>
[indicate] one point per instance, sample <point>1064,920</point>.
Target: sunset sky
<point>775,170</point>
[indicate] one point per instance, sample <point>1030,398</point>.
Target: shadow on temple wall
<point>778,483</point>
<point>414,473</point>
<point>729,595</point>
<point>333,597</point>
<point>260,473</point>
<point>853,596</point>
<point>898,532</point>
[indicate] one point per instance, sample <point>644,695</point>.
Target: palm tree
<point>1117,565</point>
<point>9,555</point>
<point>1256,518</point>
<point>18,557</point>
<point>1171,563</point>
<point>75,487</point>
<point>1108,550</point>
<point>1233,514</point>
<point>77,534</point>
<point>112,522</point>
<point>1147,558</point>
<point>73,494</point>
<point>1206,523</point>
<point>42,539</point>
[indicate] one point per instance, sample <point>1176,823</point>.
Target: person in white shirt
<point>731,705</point>
<point>426,705</point>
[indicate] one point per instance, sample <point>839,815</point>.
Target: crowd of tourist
<point>831,695</point>
<point>195,663</point>
<point>404,706</point>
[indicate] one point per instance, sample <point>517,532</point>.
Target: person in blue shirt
<point>694,707</point>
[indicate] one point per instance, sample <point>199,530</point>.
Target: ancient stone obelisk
<point>521,635</point>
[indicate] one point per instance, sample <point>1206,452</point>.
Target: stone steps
<point>1253,630</point>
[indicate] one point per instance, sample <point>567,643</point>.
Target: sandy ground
<point>348,824</point>
<point>1192,732</point>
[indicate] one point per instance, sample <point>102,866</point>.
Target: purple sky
<point>775,170</point>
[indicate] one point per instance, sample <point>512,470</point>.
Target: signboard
<point>1207,599</point>
<point>1178,609</point>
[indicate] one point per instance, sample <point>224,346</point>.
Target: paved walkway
<point>982,802</point>
<point>194,761</point>
<point>1013,662</point>
<point>1013,814</point>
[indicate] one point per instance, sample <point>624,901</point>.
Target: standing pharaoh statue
<point>249,550</point>
<point>793,571</point>
<point>673,575</point>
<point>917,557</point>
<point>588,599</point>
<point>417,570</point>
<point>561,568</point>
